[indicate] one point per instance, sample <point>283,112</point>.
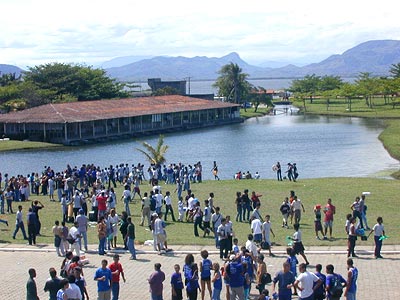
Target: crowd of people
<point>87,194</point>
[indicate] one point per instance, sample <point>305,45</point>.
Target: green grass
<point>358,108</point>
<point>24,145</point>
<point>381,202</point>
<point>249,113</point>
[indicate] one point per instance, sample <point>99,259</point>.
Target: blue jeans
<point>102,245</point>
<point>131,247</point>
<point>84,236</point>
<point>351,296</point>
<point>115,290</point>
<point>216,294</point>
<point>216,238</point>
<point>127,209</point>
<point>22,227</point>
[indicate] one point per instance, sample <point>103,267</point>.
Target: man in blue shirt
<point>236,278</point>
<point>334,284</point>
<point>103,278</point>
<point>319,293</point>
<point>286,280</point>
<point>351,286</point>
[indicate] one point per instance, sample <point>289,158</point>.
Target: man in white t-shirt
<point>297,206</point>
<point>256,229</point>
<point>252,247</point>
<point>266,230</point>
<point>305,283</point>
<point>75,236</point>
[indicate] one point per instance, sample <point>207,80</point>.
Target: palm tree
<point>232,83</point>
<point>155,155</point>
<point>395,70</point>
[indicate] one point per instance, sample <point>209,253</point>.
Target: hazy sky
<point>40,31</point>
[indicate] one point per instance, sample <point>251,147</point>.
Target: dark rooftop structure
<point>91,121</point>
<point>156,84</point>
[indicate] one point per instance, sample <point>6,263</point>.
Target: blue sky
<point>91,32</point>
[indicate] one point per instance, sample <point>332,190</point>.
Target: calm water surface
<point>321,147</point>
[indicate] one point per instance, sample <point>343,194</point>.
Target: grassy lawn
<point>24,145</point>
<point>381,202</point>
<point>358,108</point>
<point>249,113</point>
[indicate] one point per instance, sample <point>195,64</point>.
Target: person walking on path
<point>297,243</point>
<point>352,237</point>
<point>156,280</point>
<point>103,277</point>
<point>379,233</point>
<point>31,288</point>
<point>351,284</point>
<point>176,284</point>
<point>19,223</point>
<point>116,270</point>
<point>130,237</point>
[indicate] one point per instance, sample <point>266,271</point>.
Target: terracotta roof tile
<point>108,109</point>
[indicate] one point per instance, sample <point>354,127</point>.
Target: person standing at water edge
<point>31,289</point>
<point>215,171</point>
<point>278,170</point>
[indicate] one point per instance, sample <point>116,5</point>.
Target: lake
<point>321,146</point>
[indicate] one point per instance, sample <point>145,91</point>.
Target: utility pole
<point>188,78</point>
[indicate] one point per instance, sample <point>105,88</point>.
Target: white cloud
<point>94,31</point>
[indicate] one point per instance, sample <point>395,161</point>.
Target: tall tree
<point>155,155</point>
<point>232,83</point>
<point>395,70</point>
<point>81,82</point>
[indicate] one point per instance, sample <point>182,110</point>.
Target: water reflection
<point>321,146</point>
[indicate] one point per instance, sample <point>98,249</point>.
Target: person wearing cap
<point>83,221</point>
<point>116,271</point>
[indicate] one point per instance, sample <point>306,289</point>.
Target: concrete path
<point>378,279</point>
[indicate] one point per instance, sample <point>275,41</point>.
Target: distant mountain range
<point>9,69</point>
<point>375,57</point>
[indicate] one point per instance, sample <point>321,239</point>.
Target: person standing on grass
<point>223,239</point>
<point>126,197</point>
<point>116,270</point>
<point>168,206</point>
<point>329,211</point>
<point>379,233</point>
<point>351,284</point>
<point>103,277</point>
<point>31,222</point>
<point>285,211</point>
<point>130,238</point>
<point>156,280</point>
<point>297,207</point>
<point>31,289</point>
<point>19,223</point>
<point>215,222</point>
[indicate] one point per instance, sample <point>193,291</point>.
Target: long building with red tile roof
<point>87,121</point>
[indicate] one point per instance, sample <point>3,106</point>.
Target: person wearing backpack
<point>334,284</point>
<point>351,285</point>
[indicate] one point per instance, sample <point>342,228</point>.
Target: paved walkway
<point>378,279</point>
